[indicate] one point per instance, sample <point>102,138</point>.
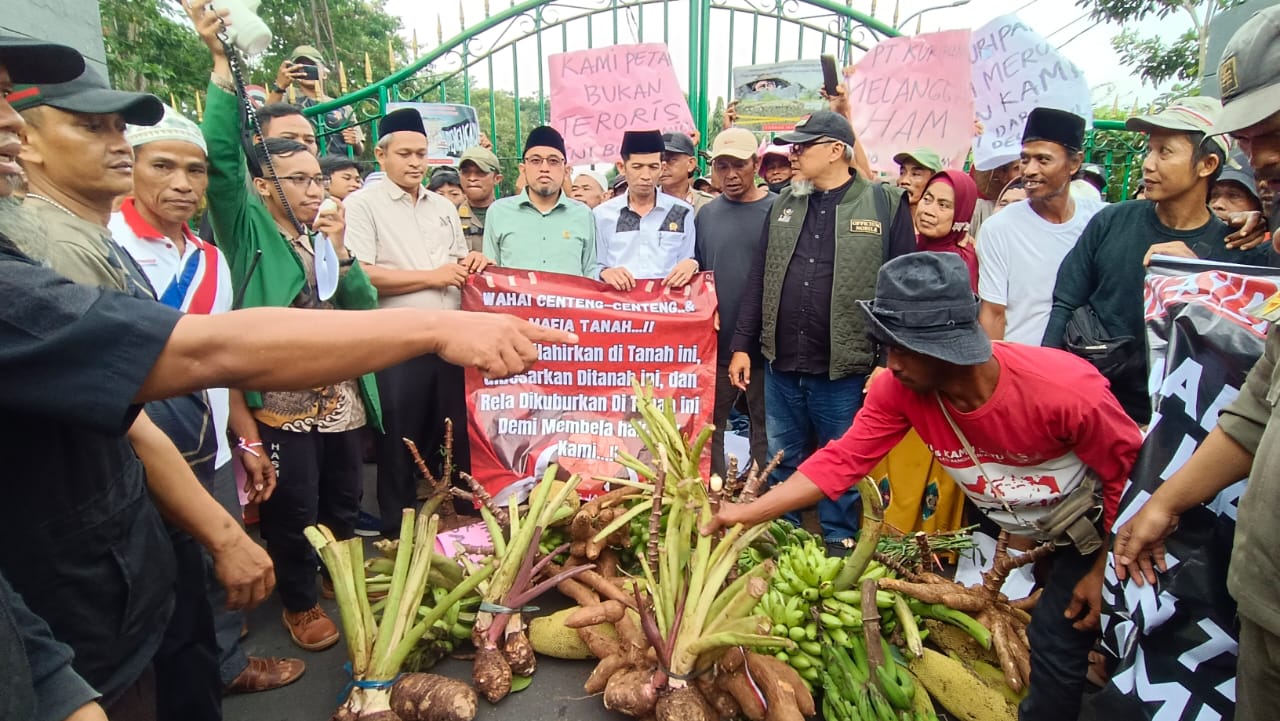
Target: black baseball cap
<point>90,93</point>
<point>1249,73</point>
<point>822,124</point>
<point>31,61</point>
<point>678,143</point>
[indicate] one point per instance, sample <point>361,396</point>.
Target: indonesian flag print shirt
<point>1050,420</point>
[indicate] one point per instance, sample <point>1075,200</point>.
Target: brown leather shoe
<point>312,629</point>
<point>264,674</point>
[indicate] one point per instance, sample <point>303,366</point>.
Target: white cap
<point>1082,189</point>
<point>173,126</point>
<point>592,173</point>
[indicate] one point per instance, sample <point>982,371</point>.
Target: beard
<point>22,228</point>
<point>801,187</point>
<point>549,191</point>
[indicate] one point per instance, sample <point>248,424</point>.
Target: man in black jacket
<point>1105,269</point>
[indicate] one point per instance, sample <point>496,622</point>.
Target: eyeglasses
<point>799,148</point>
<point>538,161</point>
<point>302,182</point>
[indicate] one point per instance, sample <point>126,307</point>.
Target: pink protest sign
<point>597,95</point>
<point>451,543</point>
<point>914,92</point>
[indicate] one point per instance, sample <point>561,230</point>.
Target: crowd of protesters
<point>141,398</point>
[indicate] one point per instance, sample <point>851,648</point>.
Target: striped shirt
<point>648,246</point>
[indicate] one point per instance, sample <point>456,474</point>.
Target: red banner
<point>572,408</point>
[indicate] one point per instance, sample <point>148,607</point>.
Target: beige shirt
<point>83,251</point>
<point>388,228</point>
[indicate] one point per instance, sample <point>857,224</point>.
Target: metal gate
<point>511,44</point>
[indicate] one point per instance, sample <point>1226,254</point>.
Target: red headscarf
<point>958,240</point>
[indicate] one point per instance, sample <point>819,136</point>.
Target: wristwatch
<point>350,261</point>
<point>278,89</point>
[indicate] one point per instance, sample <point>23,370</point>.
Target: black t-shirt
<point>729,235</point>
<point>1105,268</point>
<point>79,536</point>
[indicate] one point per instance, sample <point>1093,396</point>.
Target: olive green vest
<point>861,238</point>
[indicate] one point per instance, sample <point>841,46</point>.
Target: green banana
<point>910,630</point>
<point>892,689</point>
<point>880,705</point>
<point>838,636</point>
<point>956,618</point>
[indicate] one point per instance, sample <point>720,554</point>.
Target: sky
<point>1087,44</point>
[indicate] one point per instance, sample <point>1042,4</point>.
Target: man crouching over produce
<point>1030,434</point>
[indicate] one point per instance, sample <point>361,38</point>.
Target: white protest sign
<point>1014,71</point>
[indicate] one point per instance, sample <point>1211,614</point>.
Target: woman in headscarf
<point>943,217</point>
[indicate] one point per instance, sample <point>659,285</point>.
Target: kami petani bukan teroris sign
<point>573,406</point>
<point>599,94</point>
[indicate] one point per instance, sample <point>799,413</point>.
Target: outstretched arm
<point>286,348</point>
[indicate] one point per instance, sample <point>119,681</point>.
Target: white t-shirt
<point>1018,257</point>
<point>208,289</point>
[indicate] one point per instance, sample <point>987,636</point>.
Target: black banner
<point>1177,642</point>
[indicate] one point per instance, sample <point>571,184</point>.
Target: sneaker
<point>368,525</point>
<point>265,674</point>
<point>312,629</point>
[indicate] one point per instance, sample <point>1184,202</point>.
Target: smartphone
<point>310,72</point>
<point>830,78</point>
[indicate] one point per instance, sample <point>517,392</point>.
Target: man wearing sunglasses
<point>542,228</point>
<point>824,241</point>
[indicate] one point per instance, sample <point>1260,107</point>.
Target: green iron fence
<point>508,46</point>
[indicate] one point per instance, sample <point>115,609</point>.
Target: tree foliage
<point>151,47</point>
<point>1119,152</point>
<point>1171,55</point>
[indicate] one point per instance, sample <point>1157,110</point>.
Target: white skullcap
<point>173,126</point>
<point>1082,189</point>
<point>592,173</point>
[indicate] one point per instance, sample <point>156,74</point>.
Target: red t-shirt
<point>1049,420</point>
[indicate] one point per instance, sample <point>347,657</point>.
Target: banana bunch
<point>443,636</point>
<point>447,632</point>
<point>850,693</point>
<point>803,605</point>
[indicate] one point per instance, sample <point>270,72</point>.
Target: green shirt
<point>1253,421</point>
<point>562,240</point>
<point>244,228</point>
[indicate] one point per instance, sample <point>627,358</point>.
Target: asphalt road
<point>555,694</point>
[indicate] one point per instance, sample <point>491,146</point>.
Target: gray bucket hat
<point>924,303</point>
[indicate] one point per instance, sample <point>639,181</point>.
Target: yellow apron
<point>921,495</point>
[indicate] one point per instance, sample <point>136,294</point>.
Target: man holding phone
<point>306,72</point>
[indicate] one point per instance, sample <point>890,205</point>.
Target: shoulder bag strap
<point>974,457</point>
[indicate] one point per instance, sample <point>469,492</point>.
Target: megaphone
<point>244,28</point>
